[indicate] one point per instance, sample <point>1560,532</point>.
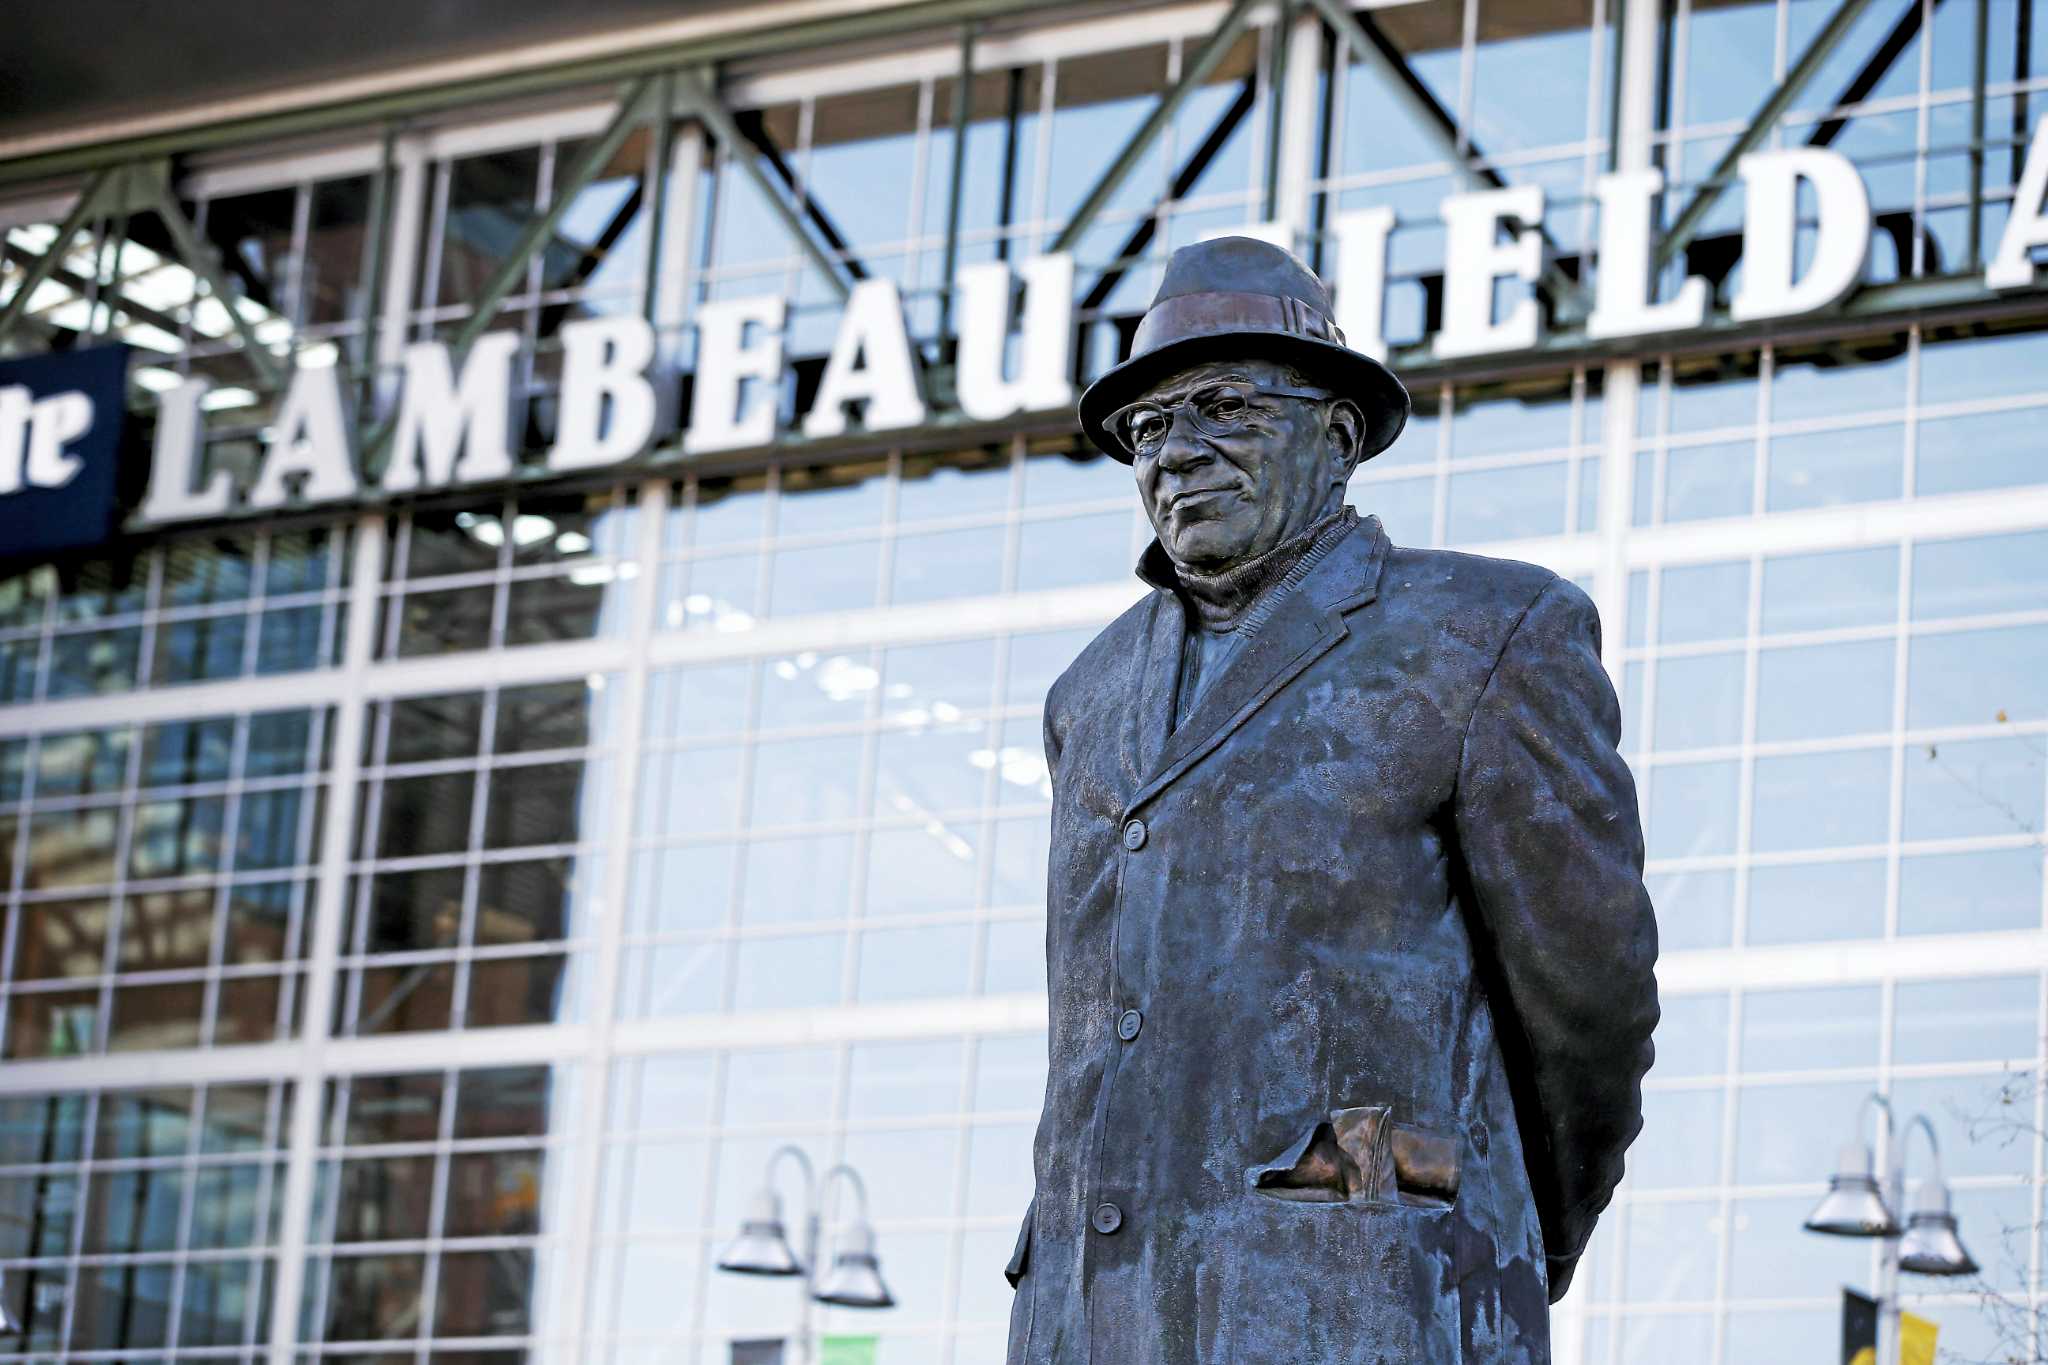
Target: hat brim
<point>1360,378</point>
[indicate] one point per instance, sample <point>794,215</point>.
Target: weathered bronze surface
<point>1349,954</point>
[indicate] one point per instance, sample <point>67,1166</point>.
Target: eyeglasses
<point>1219,409</point>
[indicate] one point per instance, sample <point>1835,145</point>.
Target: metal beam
<point>1198,69</point>
<point>46,264</point>
<point>963,103</point>
<point>820,33</point>
<point>698,99</point>
<point>633,108</point>
<point>1467,162</point>
<point>1766,117</point>
<point>203,260</point>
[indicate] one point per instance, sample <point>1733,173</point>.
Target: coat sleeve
<point>1552,847</point>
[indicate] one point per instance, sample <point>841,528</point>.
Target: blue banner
<point>61,419</point>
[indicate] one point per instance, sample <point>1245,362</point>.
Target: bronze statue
<point>1350,957</point>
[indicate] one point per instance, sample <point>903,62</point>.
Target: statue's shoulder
<point>1470,585</point>
<point>1110,660</point>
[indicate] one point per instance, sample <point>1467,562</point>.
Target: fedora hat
<point>1238,298</point>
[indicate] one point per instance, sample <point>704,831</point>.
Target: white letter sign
<point>1362,278</point>
<point>1046,338</point>
<point>1623,307</point>
<point>309,442</point>
<point>180,435</point>
<point>870,364</point>
<point>724,362</point>
<point>604,366</point>
<point>435,415</point>
<point>1475,257</point>
<point>2027,228</point>
<point>1770,230</point>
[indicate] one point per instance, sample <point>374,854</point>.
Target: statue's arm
<point>1552,849</point>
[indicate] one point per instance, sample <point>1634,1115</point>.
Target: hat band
<point>1222,311</point>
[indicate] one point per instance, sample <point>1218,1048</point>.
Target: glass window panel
<point>267,834</point>
<point>1980,451</point>
<point>683,889</point>
<point>1695,909</point>
<point>1959,1105</point>
<point>789,973</point>
<point>444,622</point>
<point>94,662</point>
<point>1691,809</point>
<point>423,728</point>
<point>1682,1142</point>
<point>1980,574</point>
<point>1699,701</point>
<point>915,963</point>
<point>184,752</point>
<point>1953,369</point>
<point>1673,1246</point>
<point>1973,787</point>
<point>1776,1258</point>
<point>922,683</point>
<point>1819,1028</point>
<point>299,561</point>
<point>1709,481</point>
<point>153,1017</point>
<point>1976,677</point>
<point>53,1024</point>
<point>1507,504</point>
<point>1821,800</point>
<point>1406,507</point>
<point>278,743</point>
<point>1700,602</point>
<point>688,702</point>
<point>1828,468</point>
<point>1511,423</point>
<point>37,1215</point>
<point>529,989</point>
<point>545,803</point>
<point>494,1194</point>
<point>805,781</point>
<point>944,564</point>
<point>1709,393</point>
<point>1980,1019</point>
<point>166,930</point>
<point>1831,590</point>
<point>394,1108</point>
<point>1016,957</point>
<point>585,604</point>
<point>809,689</point>
<point>691,790</point>
<point>1947,893</point>
<point>83,762</point>
<point>825,578</point>
<point>383,1199</point>
<point>931,768</point>
<point>414,909</point>
<point>177,838</point>
<point>1692,1035</point>
<point>1819,691</point>
<point>797,879</point>
<point>427,814</point>
<point>71,848</point>
<point>1073,551</point>
<point>1806,902</point>
<point>373,1298</point>
<point>1010,1073</point>
<point>899,1080</point>
<point>414,998</point>
<point>927,868</point>
<point>61,939</point>
<point>1858,379</point>
<point>535,899</point>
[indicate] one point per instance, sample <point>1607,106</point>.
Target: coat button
<point>1134,835</point>
<point>1108,1218</point>
<point>1128,1025</point>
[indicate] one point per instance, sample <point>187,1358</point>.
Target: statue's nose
<point>1184,448</point>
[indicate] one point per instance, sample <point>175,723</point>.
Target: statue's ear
<point>1344,431</point>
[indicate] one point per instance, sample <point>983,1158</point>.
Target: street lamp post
<point>762,1246</point>
<point>1856,1206</point>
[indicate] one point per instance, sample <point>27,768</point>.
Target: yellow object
<point>1916,1340</point>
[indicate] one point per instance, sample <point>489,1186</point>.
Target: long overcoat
<point>1351,977</point>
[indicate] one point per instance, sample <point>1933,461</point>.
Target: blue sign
<point>61,418</point>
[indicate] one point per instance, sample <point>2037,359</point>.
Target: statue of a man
<point>1349,953</point>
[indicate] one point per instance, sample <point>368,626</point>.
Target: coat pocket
<point>1361,1155</point>
<point>1020,1259</point>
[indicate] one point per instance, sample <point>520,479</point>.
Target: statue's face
<point>1242,469</point>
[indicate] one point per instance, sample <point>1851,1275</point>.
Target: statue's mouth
<point>1181,499</point>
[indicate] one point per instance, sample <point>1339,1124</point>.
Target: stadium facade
<point>520,689</point>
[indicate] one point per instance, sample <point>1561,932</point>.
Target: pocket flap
<point>1020,1259</point>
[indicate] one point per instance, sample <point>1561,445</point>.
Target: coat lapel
<point>1308,624</point>
<point>1151,714</point>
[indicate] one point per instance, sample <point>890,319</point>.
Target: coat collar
<point>1306,625</point>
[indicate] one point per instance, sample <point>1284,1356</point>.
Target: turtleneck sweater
<point>1225,609</point>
